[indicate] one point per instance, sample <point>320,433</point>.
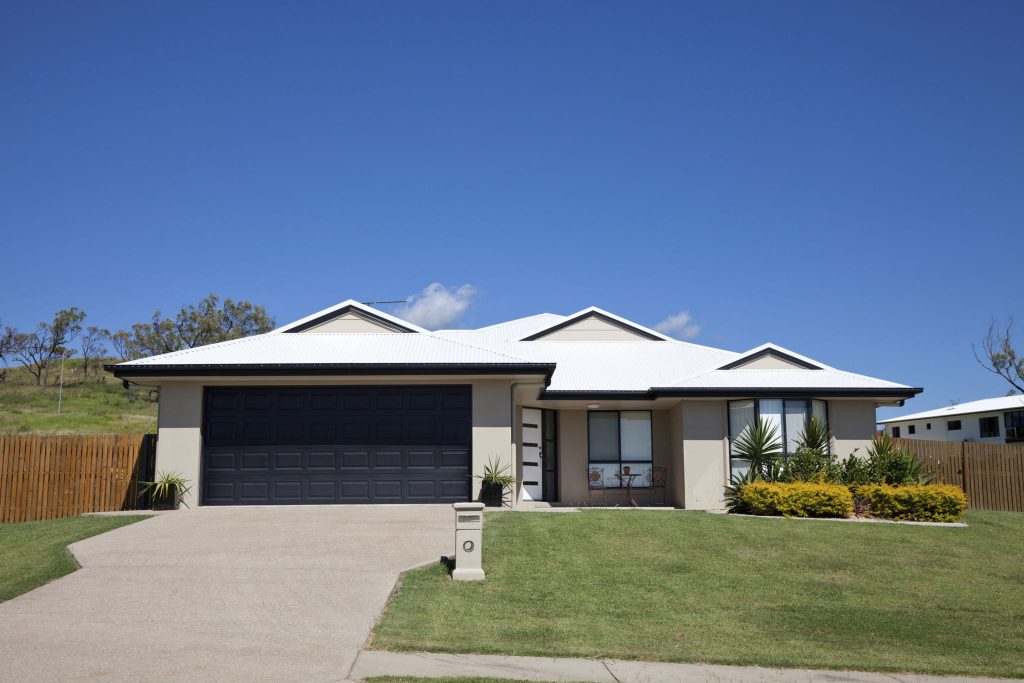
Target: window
<point>928,425</point>
<point>619,439</point>
<point>953,425</point>
<point>988,426</point>
<point>895,432</point>
<point>788,416</point>
<point>1014,423</point>
<point>912,429</point>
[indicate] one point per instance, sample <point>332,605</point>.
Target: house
<point>352,405</point>
<point>990,420</point>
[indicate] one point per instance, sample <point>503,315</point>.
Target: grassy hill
<point>97,405</point>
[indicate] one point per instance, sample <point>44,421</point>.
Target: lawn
<point>96,406</point>
<point>34,553</point>
<point>695,587</point>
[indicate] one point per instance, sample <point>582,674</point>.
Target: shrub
<point>810,464</point>
<point>894,465</point>
<point>800,499</point>
<point>919,503</point>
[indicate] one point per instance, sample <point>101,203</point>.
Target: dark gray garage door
<point>314,445</point>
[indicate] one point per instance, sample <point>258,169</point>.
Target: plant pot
<point>492,494</point>
<point>171,502</point>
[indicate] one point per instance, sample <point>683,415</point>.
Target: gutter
<point>745,392</point>
<point>123,371</point>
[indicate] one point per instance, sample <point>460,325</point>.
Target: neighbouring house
<point>990,420</point>
<point>353,405</point>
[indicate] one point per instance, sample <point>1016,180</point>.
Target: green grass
<point>88,407</point>
<point>694,587</point>
<point>34,553</point>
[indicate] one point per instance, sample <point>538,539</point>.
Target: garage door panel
<point>288,461</point>
<point>265,445</point>
<point>255,461</point>
<point>385,460</point>
<point>287,491</point>
<point>355,460</point>
<point>420,460</point>
<point>322,460</point>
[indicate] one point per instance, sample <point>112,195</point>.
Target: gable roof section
<point>333,353</point>
<point>595,312</point>
<point>985,405</point>
<point>770,350</point>
<point>385,321</point>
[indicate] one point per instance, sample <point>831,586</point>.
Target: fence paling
<point>992,475</point>
<point>46,477</point>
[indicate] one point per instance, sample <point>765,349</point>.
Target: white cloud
<point>437,306</point>
<point>679,325</point>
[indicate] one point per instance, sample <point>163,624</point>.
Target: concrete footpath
<point>429,665</point>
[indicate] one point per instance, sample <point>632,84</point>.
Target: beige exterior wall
<point>852,424</point>
<point>350,322</point>
<point>592,328</point>
<point>677,471</point>
<point>705,454</point>
<point>179,434</point>
<point>492,427</point>
<point>770,362</point>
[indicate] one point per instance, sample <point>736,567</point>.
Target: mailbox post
<point>469,528</point>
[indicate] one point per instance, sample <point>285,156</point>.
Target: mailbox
<point>469,531</point>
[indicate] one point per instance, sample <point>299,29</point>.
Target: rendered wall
<point>852,424</point>
<point>179,434</point>
<point>705,449</point>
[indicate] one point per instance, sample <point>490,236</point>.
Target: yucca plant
<point>812,459</point>
<point>495,480</point>
<point>761,444</point>
<point>167,491</point>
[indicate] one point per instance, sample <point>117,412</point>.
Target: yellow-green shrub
<point>921,503</point>
<point>799,499</point>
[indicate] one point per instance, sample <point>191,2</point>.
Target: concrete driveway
<point>239,594</point>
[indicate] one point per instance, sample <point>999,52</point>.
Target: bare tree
<point>92,347</point>
<point>999,355</point>
<point>121,342</point>
<point>50,340</point>
<point>7,347</point>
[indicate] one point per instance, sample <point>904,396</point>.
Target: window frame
<point>950,428</point>
<point>911,429</point>
<point>808,404</point>
<point>990,433</point>
<point>1013,419</point>
<point>895,431</point>
<point>620,463</point>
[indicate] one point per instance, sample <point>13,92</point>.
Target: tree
<point>208,322</point>
<point>35,350</point>
<point>999,354</point>
<point>92,347</point>
<point>7,347</point>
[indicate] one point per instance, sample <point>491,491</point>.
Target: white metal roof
<point>581,366</point>
<point>985,405</point>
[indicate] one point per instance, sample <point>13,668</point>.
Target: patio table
<point>628,478</point>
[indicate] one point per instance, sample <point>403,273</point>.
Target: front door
<point>533,454</point>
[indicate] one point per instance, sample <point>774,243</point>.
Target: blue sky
<point>841,178</point>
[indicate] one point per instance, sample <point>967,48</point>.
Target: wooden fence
<point>46,477</point>
<point>992,475</point>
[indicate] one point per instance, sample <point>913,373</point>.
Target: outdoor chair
<point>656,483</point>
<point>595,482</point>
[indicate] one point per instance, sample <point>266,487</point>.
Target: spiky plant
<point>761,444</point>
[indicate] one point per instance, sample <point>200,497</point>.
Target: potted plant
<point>495,480</point>
<point>167,491</point>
